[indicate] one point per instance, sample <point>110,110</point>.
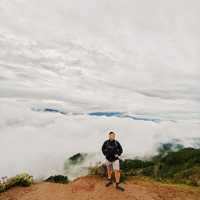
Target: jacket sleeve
<point>103,148</point>
<point>120,150</point>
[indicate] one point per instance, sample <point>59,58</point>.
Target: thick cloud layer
<point>138,58</point>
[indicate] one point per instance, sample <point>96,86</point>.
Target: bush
<point>22,179</point>
<point>58,179</point>
<point>100,170</point>
<point>2,187</point>
<point>189,176</point>
<point>129,164</point>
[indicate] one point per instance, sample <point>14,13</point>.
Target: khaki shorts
<point>114,164</point>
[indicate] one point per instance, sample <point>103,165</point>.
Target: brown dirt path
<point>92,188</point>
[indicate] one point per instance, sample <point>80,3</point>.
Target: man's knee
<point>109,167</point>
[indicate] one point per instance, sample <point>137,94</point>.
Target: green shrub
<point>128,164</point>
<point>2,187</point>
<point>22,179</point>
<point>189,176</point>
<point>58,179</point>
<point>100,170</point>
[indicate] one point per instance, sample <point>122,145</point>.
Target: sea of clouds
<point>60,61</point>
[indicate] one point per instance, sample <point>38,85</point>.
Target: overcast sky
<point>140,58</point>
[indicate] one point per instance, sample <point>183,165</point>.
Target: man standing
<point>112,149</point>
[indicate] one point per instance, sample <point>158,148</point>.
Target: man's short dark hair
<point>111,132</point>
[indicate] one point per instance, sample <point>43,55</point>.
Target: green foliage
<point>135,164</point>
<point>189,156</point>
<point>128,167</point>
<point>189,176</point>
<point>165,148</point>
<point>101,170</point>
<point>22,179</point>
<point>58,179</point>
<point>2,187</point>
<point>98,170</point>
<point>175,162</point>
<point>181,166</point>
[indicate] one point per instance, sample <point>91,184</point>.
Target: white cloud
<point>128,56</point>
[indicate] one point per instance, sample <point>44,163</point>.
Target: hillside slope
<point>92,187</point>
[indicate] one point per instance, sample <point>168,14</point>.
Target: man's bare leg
<point>117,176</point>
<point>109,173</point>
<point>117,179</point>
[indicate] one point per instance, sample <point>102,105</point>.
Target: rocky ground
<point>92,187</point>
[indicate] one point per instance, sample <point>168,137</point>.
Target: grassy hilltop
<point>181,166</point>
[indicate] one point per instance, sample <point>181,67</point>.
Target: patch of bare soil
<point>93,188</point>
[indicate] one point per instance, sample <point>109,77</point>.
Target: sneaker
<point>119,187</point>
<point>109,182</point>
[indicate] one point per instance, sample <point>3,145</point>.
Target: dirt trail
<point>92,188</point>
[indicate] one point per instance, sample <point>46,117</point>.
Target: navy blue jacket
<point>110,148</point>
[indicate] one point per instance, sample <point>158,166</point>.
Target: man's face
<point>112,136</point>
